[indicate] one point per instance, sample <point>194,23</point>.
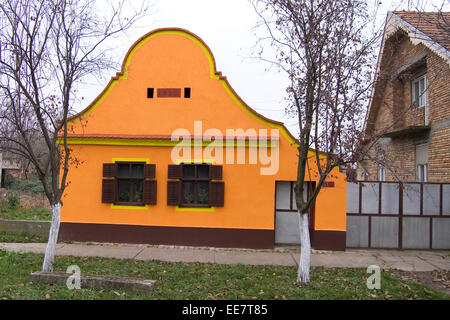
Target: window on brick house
<point>419,91</point>
<point>381,173</point>
<point>422,172</point>
<point>422,162</point>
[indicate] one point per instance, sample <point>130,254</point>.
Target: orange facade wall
<point>249,196</point>
<point>177,59</point>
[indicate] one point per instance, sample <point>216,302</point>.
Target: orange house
<point>168,153</point>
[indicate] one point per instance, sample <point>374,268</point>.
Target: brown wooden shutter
<point>109,170</point>
<point>215,172</point>
<point>149,171</point>
<point>216,193</point>
<point>175,171</point>
<point>173,193</point>
<point>149,192</point>
<point>109,187</point>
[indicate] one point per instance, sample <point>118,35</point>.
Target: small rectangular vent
<point>169,92</point>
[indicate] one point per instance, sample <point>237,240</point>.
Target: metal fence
<point>410,215</point>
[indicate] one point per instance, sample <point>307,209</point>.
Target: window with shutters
<point>129,183</point>
<point>197,185</point>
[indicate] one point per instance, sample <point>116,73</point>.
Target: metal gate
<point>286,214</point>
<point>397,215</point>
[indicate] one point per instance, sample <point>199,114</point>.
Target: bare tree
<point>47,48</point>
<point>325,50</point>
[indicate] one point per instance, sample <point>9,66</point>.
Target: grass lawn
<point>25,214</point>
<point>202,281</point>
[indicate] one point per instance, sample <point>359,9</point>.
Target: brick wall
<point>439,156</point>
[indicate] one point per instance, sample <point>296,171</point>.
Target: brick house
<point>410,107</point>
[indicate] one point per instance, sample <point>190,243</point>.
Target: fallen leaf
<point>117,293</point>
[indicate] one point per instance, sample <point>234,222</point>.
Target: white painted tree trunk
<point>49,257</point>
<point>305,254</point>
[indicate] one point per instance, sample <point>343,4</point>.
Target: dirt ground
<point>438,280</point>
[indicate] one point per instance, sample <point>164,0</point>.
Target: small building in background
<point>10,167</point>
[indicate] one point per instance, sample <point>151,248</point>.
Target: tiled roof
<point>436,25</point>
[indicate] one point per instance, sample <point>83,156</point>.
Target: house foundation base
<point>328,240</point>
<point>182,236</point>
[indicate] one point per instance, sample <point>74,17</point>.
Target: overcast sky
<point>227,27</point>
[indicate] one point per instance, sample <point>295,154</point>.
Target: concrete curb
<point>98,282</point>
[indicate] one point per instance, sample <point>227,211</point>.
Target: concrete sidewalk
<point>407,260</point>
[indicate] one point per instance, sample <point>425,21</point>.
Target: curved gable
<point>168,58</point>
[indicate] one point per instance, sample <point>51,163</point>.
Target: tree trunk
<point>305,253</point>
<point>49,257</point>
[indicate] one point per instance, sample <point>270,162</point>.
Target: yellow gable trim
<point>162,142</point>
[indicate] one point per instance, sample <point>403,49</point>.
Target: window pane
<point>419,173</point>
<point>137,171</point>
<point>422,85</point>
<point>416,93</point>
<point>189,172</point>
<point>203,192</point>
<point>422,92</point>
<point>381,174</point>
<point>124,190</point>
<point>137,196</point>
<point>124,170</point>
<point>188,192</point>
<point>203,172</point>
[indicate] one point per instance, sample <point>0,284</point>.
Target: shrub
<point>30,186</point>
<point>12,200</point>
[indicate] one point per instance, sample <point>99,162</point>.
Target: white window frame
<point>423,98</point>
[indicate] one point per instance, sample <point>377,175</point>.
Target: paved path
<point>407,260</point>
